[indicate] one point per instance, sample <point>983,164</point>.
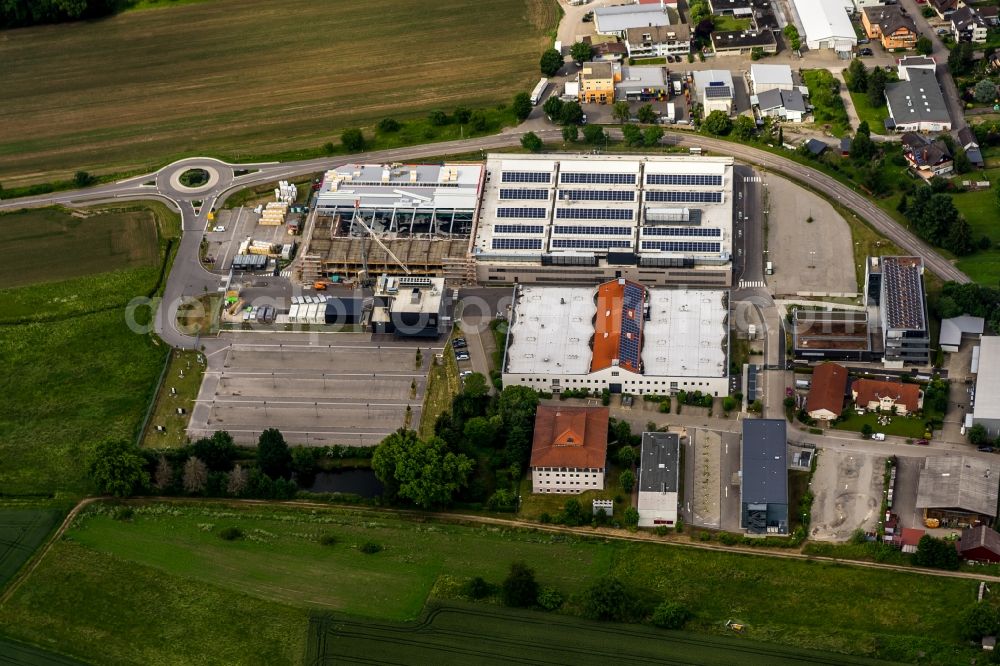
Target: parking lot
<point>330,389</point>
<point>847,487</point>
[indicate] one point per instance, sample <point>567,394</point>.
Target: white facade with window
<point>566,479</point>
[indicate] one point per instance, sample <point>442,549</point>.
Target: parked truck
<point>536,94</point>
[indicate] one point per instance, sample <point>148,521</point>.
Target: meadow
<point>121,585</point>
<point>243,79</point>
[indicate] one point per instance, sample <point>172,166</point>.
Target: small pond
<point>355,481</point>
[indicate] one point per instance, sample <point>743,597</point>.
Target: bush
<point>671,615</point>
<point>388,125</point>
<point>550,599</point>
<point>124,513</point>
<point>608,599</point>
<point>662,530</point>
<point>231,534</point>
<point>353,139</point>
<point>477,588</point>
<point>329,540</point>
<point>370,548</point>
<point>544,518</point>
<point>704,536</point>
<point>519,588</point>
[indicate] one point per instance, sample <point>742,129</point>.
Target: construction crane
<point>359,218</point>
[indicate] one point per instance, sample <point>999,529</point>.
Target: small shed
<point>815,146</point>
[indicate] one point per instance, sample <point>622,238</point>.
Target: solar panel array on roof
<point>602,178</point>
<point>592,230</point>
<point>903,292</point>
<point>532,213</point>
<point>598,195</point>
<point>751,383</point>
<point>526,177</point>
<point>685,196</point>
<point>681,246</point>
<point>509,193</point>
<point>718,92</point>
<point>629,343</point>
<point>594,213</point>
<point>588,243</point>
<point>518,229</point>
<point>706,232</point>
<point>683,179</point>
<point>517,243</point>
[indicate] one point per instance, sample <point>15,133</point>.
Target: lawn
<point>730,23</point>
<point>76,373</point>
<point>442,386</point>
<point>901,426</point>
<point>534,505</point>
<point>873,114</point>
<point>829,107</point>
<point>456,633</point>
<point>158,587</point>
<point>165,414</point>
<point>981,210</point>
<point>244,79</point>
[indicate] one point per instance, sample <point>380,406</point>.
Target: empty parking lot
<point>848,494</point>
<point>347,390</point>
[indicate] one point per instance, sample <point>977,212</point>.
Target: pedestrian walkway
<point>751,284</point>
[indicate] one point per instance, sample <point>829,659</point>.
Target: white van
<point>879,437</point>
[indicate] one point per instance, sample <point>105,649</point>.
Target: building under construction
<point>395,219</point>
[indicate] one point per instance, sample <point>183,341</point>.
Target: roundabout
<point>192,177</point>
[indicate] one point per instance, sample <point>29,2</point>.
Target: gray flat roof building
<point>917,105</point>
<point>958,485</point>
<point>954,328</point>
<point>987,405</point>
<point>659,474</point>
<point>764,472</point>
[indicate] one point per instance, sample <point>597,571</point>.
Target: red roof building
<point>570,449</point>
<point>980,543</point>
<point>879,396</point>
<point>826,394</point>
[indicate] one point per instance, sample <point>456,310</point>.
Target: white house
<point>659,475</point>
<point>658,41</point>
<point>569,449</point>
<point>715,90</point>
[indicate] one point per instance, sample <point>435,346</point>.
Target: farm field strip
<point>248,77</point>
<point>22,531</point>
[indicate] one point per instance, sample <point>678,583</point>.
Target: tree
<point>744,128</point>
<point>936,553</point>
<point>164,474</point>
<point>671,615</point>
<point>437,118</point>
<point>238,480</point>
<point>475,385</point>
<point>699,11</point>
<point>217,451</point>
<point>553,108</point>
<point>621,111</point>
<point>729,403</point>
<point>479,122</point>
<point>522,105</point>
<point>961,161</point>
<point>607,599</point>
<point>632,135</point>
<point>572,514</point>
<point>876,87</point>
<point>867,430</point>
<point>551,62</point>
<point>388,125</point>
<point>646,114</point>
<point>482,432</point>
<point>117,468</point>
<point>626,480</point>
<point>195,475</point>
<point>959,238</point>
<point>924,45</point>
<point>985,91</point>
<point>792,33</point>
<point>595,134</point>
<point>461,115</point>
<point>651,136</point>
<point>273,457</point>
<point>857,76</point>
<point>571,114</point>
<point>530,141</point>
<point>352,139</point>
<point>862,146</point>
<point>571,133</point>
<point>717,123</point>
<point>626,456</point>
<point>631,516</point>
<point>519,589</point>
<point>703,29</point>
<point>903,204</point>
<point>424,472</point>
<point>516,408</point>
<point>960,59</point>
<point>581,51</point>
<point>303,464</point>
<point>978,435</point>
<point>980,619</point>
<point>83,179</point>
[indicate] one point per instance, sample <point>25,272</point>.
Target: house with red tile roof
<point>826,394</point>
<point>569,450</point>
<point>879,396</point>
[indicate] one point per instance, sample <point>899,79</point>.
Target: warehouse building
<point>657,220</point>
<point>958,491</point>
<point>620,336</point>
<point>895,286</point>
<point>827,25</point>
<point>770,77</point>
<point>659,479</point>
<point>618,19</point>
<point>917,104</point>
<point>764,477</point>
<point>986,410</point>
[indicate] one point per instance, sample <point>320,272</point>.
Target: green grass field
<point>240,79</point>
<point>147,590</point>
<point>902,426</point>
<point>22,530</point>
<point>464,633</point>
<point>76,373</point>
<point>980,208</point>
<point>165,411</point>
<point>874,115</point>
<point>730,23</point>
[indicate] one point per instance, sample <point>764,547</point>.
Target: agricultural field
<point>251,78</point>
<point>74,371</point>
<point>22,530</point>
<point>464,633</point>
<point>119,586</point>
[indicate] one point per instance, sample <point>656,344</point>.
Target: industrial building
<point>619,337</point>
<point>838,335</point>
<point>916,104</point>
<point>657,220</point>
<point>659,479</point>
<point>714,90</point>
<point>986,409</point>
<point>409,306</point>
<point>956,329</point>
<point>641,84</point>
<point>378,218</point>
<point>569,449</point>
<point>764,477</point>
<point>894,285</point>
<point>827,25</point>
<point>958,491</point>
<point>770,77</point>
<point>618,19</point>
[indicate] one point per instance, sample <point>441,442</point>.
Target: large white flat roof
<point>825,19</point>
<point>623,17</point>
<point>685,333</point>
<point>771,75</point>
<point>425,186</point>
<point>988,380</point>
<point>552,330</point>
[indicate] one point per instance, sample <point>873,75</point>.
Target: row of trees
<point>872,83</point>
<point>20,13</point>
<point>934,218</point>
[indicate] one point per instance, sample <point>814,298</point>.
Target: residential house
<point>875,395</point>
<point>968,26</point>
<point>713,88</point>
<point>770,77</point>
<point>944,8</point>
<point>991,15</point>
<point>743,42</point>
<point>597,82</point>
<point>609,52</point>
<point>980,544</point>
<point>569,449</point>
<point>826,394</point>
<point>658,41</point>
<point>784,104</point>
<point>659,478</point>
<point>927,157</point>
<point>889,25</point>
<point>917,103</point>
